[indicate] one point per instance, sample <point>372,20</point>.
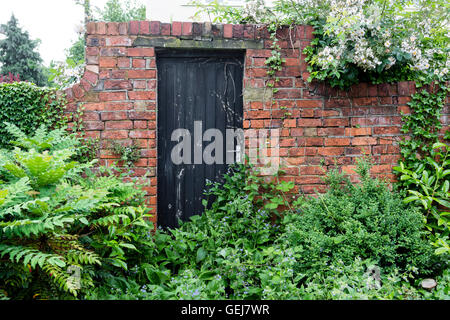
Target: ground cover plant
<point>324,248</point>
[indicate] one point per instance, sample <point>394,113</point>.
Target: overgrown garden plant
<point>62,233</point>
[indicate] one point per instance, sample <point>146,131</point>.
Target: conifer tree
<point>18,54</point>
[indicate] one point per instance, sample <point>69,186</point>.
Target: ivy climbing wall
<point>319,126</point>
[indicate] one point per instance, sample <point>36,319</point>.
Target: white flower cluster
<point>65,75</point>
<point>372,35</point>
<point>360,37</point>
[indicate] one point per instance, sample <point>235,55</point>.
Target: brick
<point>119,125</point>
<point>228,31</point>
<point>309,122</point>
<point>144,27</point>
<point>290,123</point>
<point>142,95</point>
<point>238,31</point>
<point>118,74</point>
<point>144,115</point>
<point>197,29</point>
<point>90,28</point>
<point>337,142</point>
<point>114,134</point>
<point>91,116</point>
<point>139,63</point>
<point>114,116</point>
<point>123,62</point>
<point>145,134</point>
<point>139,84</point>
<point>358,131</point>
<point>165,29</point>
<point>134,27</point>
<point>119,41</point>
<point>113,52</point>
<point>337,122</point>
<point>91,77</point>
<point>141,52</point>
<point>78,92</point>
<point>249,31</point>
<point>386,130</point>
<point>112,96</point>
<point>141,74</point>
<point>112,28</point>
<point>381,169</point>
<point>117,84</point>
<point>333,131</point>
<point>257,52</point>
<point>140,124</point>
<point>307,113</point>
<point>297,132</point>
<point>123,28</point>
<point>155,28</point>
<point>310,142</point>
<point>93,125</point>
<point>362,141</point>
<point>92,59</point>
<point>92,51</point>
<point>331,151</point>
<point>187,29</point>
<point>176,28</point>
<point>101,28</point>
<point>107,62</point>
<point>311,170</point>
<point>310,132</point>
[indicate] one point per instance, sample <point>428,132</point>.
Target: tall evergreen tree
<point>18,54</point>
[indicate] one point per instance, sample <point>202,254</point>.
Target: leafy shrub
<point>28,107</point>
<point>54,221</point>
<point>128,154</point>
<point>364,220</point>
<point>354,281</point>
<point>225,253</point>
<point>239,249</point>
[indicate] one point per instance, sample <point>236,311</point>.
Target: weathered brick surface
<point>319,126</point>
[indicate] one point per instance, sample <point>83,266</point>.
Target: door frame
<point>163,52</point>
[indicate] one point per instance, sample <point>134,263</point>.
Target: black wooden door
<point>194,88</point>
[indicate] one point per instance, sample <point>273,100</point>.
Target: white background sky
<point>52,21</point>
<point>55,22</point>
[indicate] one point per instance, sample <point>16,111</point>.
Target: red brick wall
<point>319,125</point>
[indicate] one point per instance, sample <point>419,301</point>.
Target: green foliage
<point>18,55</point>
<point>423,124</point>
<point>38,209</point>
<point>28,106</point>
<point>354,281</point>
<point>424,165</point>
<point>77,52</point>
<point>128,154</point>
<point>56,215</point>
<point>428,187</point>
<point>366,221</point>
<point>359,41</point>
<point>239,249</point>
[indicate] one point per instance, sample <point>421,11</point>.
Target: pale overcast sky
<point>52,21</point>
